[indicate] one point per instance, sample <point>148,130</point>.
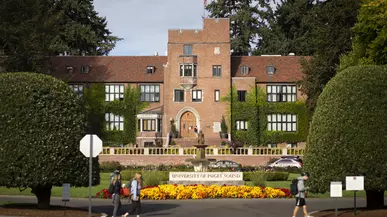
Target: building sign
<point>336,189</point>
<point>354,183</point>
<point>205,176</point>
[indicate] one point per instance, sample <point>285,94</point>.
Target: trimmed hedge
<point>349,131</point>
<point>41,125</point>
<point>269,176</point>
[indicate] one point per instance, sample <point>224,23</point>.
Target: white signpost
<point>354,183</point>
<point>90,146</point>
<point>336,192</point>
<point>65,194</point>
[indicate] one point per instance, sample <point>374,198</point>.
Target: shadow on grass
<point>361,212</point>
<point>145,208</point>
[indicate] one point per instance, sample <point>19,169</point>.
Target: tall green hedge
<point>41,124</point>
<point>255,111</point>
<point>348,132</point>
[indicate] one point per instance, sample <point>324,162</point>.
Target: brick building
<point>186,85</point>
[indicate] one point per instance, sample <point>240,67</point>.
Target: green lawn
<point>84,192</point>
<point>286,184</point>
<point>57,191</point>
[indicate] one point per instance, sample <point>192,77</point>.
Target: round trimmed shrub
<point>348,134</point>
<point>41,125</point>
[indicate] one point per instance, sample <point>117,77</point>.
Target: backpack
<point>294,187</point>
<point>111,188</point>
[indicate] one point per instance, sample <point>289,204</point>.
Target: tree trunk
<point>43,193</point>
<point>375,199</point>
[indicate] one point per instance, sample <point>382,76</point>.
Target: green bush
<point>151,178</point>
<point>348,132</point>
<point>258,179</point>
<point>270,176</point>
<point>109,166</point>
<point>41,124</point>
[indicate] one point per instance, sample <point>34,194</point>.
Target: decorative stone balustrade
<point>209,151</point>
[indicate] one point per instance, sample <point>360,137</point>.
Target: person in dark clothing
<point>117,193</point>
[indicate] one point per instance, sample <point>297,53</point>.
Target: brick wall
<point>168,160</point>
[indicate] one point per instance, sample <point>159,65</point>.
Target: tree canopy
<point>369,44</point>
<point>41,125</point>
<point>246,18</point>
<point>33,30</point>
<point>348,132</point>
<point>331,36</point>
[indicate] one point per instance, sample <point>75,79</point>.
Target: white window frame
<point>152,122</point>
<point>189,51</point>
<point>197,95</point>
<point>114,92</point>
<point>174,95</point>
<point>241,125</point>
<point>150,69</point>
<point>216,71</point>
<point>245,70</point>
<point>152,91</point>
<point>85,69</point>
<point>282,122</point>
<point>183,67</point>
<point>216,95</point>
<point>114,121</point>
<point>281,93</point>
<point>270,70</point>
<point>77,88</point>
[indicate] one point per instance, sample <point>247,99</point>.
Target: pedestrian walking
<point>135,188</point>
<point>196,131</point>
<point>300,196</point>
<point>116,172</point>
<point>116,193</point>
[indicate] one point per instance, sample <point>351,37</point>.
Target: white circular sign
<point>84,146</point>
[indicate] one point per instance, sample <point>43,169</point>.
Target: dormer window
<point>150,69</point>
<point>245,70</point>
<point>69,69</point>
<point>85,69</point>
<point>270,70</point>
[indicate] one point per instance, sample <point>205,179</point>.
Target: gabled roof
<point>287,68</point>
<point>124,69</point>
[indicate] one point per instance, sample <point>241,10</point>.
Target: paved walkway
<point>207,207</point>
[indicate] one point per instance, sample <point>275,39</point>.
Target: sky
<point>144,24</point>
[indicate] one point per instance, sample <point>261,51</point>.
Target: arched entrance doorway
<point>187,125</point>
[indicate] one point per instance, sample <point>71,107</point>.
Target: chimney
<point>156,53</point>
<point>291,54</point>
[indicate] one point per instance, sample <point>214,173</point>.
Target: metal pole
<point>355,201</point>
<point>336,206</point>
<point>90,169</point>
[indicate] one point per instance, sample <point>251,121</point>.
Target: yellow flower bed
<point>178,192</point>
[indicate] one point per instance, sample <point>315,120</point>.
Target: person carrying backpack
<point>298,189</point>
<point>135,188</point>
<point>116,186</point>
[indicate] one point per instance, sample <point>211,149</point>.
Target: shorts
<point>300,202</point>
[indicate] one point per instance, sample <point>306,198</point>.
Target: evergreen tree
<point>32,30</point>
<point>331,35</point>
<point>287,32</point>
<point>246,18</point>
<point>370,36</point>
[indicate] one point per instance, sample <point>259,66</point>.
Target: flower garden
<point>181,192</point>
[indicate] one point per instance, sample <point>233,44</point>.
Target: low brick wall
<point>170,160</point>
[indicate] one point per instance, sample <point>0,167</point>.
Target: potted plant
<point>223,129</point>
